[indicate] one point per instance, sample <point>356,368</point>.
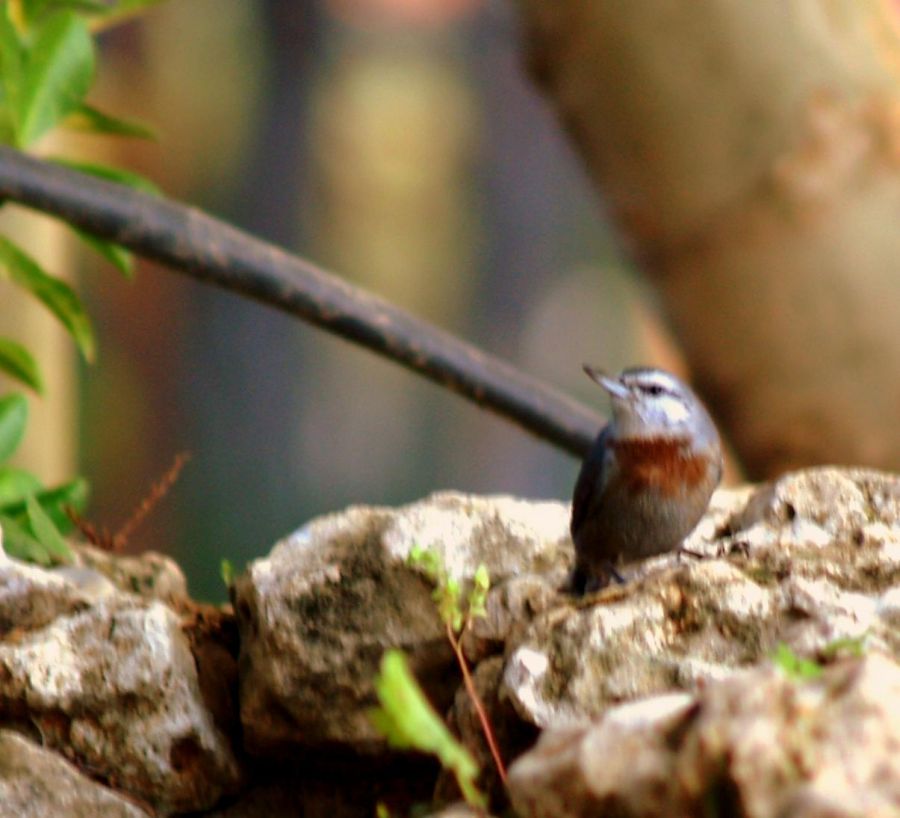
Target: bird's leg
<point>582,582</point>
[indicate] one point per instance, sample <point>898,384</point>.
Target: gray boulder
<point>317,614</point>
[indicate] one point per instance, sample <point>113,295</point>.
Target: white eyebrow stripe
<point>652,378</point>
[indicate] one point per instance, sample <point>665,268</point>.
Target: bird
<point>648,478</point>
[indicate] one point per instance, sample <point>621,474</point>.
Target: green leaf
<point>478,595</point>
<point>429,560</point>
<point>73,494</point>
<point>46,533</point>
<point>13,417</point>
<point>111,174</point>
<point>88,118</point>
<point>115,254</point>
<point>34,8</point>
<point>795,666</point>
<point>17,362</point>
<point>227,571</point>
<point>59,68</point>
<point>407,720</point>
<point>56,295</point>
<point>447,598</point>
<point>852,645</point>
<point>12,66</point>
<point>16,484</point>
<point>18,543</point>
<point>7,129</point>
<point>129,7</point>
<point>54,502</point>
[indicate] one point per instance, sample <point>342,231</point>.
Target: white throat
<point>660,416</point>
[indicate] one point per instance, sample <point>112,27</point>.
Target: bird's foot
<point>582,581</point>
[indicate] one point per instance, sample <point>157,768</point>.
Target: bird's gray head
<point>652,403</point>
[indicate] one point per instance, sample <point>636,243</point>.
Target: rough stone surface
<point>809,561</point>
<point>38,783</point>
<point>149,575</point>
<point>108,679</point>
<point>31,596</point>
<point>317,614</point>
<point>511,735</point>
<point>757,744</point>
<point>108,663</point>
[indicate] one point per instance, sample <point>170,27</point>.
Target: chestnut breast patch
<point>665,464</point>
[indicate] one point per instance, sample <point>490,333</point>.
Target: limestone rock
<point>757,744</point>
<point>319,611</point>
<point>511,735</point>
<point>38,783</point>
<point>149,574</point>
<point>810,560</point>
<point>109,680</point>
<point>31,596</point>
<point>108,663</point>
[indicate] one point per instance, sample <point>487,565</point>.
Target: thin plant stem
<point>476,701</point>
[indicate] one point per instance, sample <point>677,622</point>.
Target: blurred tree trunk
<point>751,155</point>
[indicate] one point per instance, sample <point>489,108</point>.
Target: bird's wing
<point>588,479</point>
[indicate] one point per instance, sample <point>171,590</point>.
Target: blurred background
<point>399,144</point>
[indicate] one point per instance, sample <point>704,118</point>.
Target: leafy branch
<point>47,67</point>
<point>31,516</point>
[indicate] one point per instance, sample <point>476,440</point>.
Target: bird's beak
<point>610,384</point>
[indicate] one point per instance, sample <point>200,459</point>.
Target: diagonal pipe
<point>207,249</point>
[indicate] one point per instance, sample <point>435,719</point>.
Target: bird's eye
<point>654,389</point>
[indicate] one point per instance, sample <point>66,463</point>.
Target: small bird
<point>647,479</point>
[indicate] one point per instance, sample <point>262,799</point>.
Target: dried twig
<point>157,492</point>
<point>99,537</point>
<point>102,538</point>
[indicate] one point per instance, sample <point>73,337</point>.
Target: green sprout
<point>447,592</point>
<point>408,721</point>
<point>795,666</point>
<point>226,570</point>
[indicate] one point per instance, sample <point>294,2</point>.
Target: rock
<point>840,501</point>
<point>149,575</point>
<point>107,663</point>
<point>510,734</point>
<point>31,596</point>
<point>809,561</point>
<point>511,605</point>
<point>757,744</point>
<point>109,680</point>
<point>37,783</point>
<point>317,614</point>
